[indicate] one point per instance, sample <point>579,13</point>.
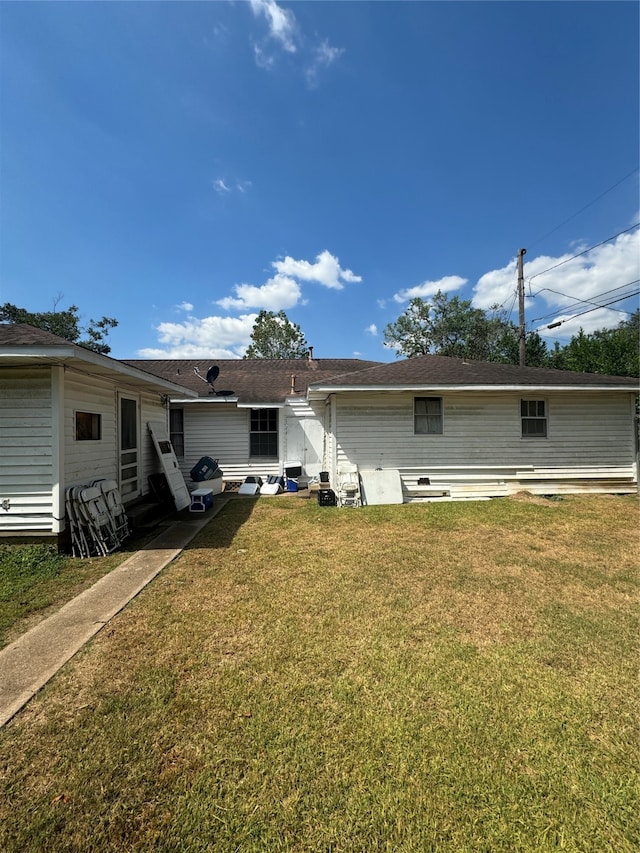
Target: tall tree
<point>275,336</point>
<point>65,324</point>
<point>610,351</point>
<point>453,327</point>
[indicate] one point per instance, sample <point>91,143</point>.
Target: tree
<point>443,326</point>
<point>453,327</point>
<point>65,324</point>
<point>275,336</point>
<point>609,351</point>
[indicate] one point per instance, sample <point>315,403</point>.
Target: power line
<point>589,310</point>
<point>577,299</point>
<point>573,215</point>
<point>579,255</point>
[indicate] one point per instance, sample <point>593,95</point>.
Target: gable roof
<point>21,344</point>
<point>255,381</point>
<point>440,373</point>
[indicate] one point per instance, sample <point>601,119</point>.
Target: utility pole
<point>521,332</point>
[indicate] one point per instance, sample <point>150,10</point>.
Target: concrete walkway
<point>30,661</point>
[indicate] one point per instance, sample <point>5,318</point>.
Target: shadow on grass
<point>229,514</point>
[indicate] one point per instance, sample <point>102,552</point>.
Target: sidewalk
<point>30,661</point>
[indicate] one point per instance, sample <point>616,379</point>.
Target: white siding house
<point>69,416</point>
<point>457,429</point>
<point>262,420</point>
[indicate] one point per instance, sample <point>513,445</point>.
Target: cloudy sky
<point>181,166</point>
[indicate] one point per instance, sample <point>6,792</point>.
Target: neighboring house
<point>256,417</point>
<point>460,429</point>
<point>69,416</point>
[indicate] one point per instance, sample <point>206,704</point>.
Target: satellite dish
<point>212,374</point>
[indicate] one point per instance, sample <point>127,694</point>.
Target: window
<point>88,426</point>
<point>534,418</point>
<point>176,431</point>
<point>427,415</point>
<point>263,435</point>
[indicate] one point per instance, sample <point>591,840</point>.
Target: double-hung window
<point>263,433</point>
<point>533,414</point>
<point>427,415</point>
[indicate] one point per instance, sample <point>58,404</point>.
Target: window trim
<point>537,418</point>
<point>426,415</point>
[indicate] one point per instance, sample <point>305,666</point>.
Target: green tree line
<point>453,327</point>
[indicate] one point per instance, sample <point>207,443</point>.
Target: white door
<point>129,447</point>
<point>304,442</point>
<point>169,464</point>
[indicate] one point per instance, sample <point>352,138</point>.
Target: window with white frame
<point>533,414</point>
<point>427,415</point>
<point>263,433</point>
<point>176,431</point>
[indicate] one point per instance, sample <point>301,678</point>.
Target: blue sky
<point>181,166</point>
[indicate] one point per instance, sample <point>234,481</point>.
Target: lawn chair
<point>79,544</point>
<point>98,526</point>
<point>348,486</point>
<point>115,507</point>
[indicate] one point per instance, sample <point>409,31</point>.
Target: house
<point>451,428</point>
<point>69,416</point>
<point>467,429</point>
<point>255,416</point>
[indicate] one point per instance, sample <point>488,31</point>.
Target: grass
<point>443,677</point>
<point>35,580</point>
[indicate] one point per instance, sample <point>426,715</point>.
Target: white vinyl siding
<point>221,431</point>
<point>151,409</point>
<point>26,459</point>
<point>482,441</point>
<point>89,460</point>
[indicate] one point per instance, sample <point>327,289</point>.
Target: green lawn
<point>35,580</point>
<point>442,677</point>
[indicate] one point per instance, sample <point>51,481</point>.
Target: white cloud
<point>284,31</point>
<point>573,285</point>
<point>279,293</point>
<point>263,59</point>
<point>281,22</point>
<point>223,188</point>
<point>323,56</point>
<point>430,288</point>
<point>372,329</point>
<point>326,270</point>
<point>214,337</point>
<point>228,337</point>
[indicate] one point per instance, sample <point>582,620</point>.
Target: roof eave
<point>318,392</point>
<point>77,357</point>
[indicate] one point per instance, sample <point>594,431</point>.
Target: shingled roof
<point>20,334</point>
<point>258,381</point>
<point>441,372</point>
